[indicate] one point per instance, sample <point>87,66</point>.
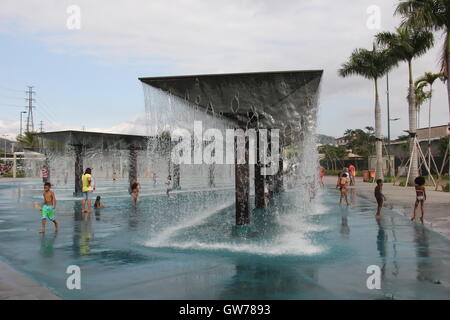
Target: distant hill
<point>324,139</point>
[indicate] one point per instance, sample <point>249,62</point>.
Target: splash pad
<point>216,236</point>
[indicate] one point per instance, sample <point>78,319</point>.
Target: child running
<point>421,196</point>
<point>48,207</point>
<point>379,196</point>
<point>342,185</point>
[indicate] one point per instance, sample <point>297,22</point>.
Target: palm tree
<point>28,139</point>
<point>406,44</point>
<point>427,80</point>
<point>371,64</point>
<point>420,97</point>
<point>430,15</point>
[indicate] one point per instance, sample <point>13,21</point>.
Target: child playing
<point>421,196</point>
<point>321,174</point>
<point>134,193</point>
<point>342,185</point>
<point>98,204</point>
<point>379,196</point>
<point>169,185</point>
<point>48,207</point>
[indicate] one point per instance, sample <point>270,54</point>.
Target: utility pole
<point>22,112</point>
<point>388,125</point>
<point>4,137</point>
<point>41,126</point>
<point>388,115</point>
<point>30,120</point>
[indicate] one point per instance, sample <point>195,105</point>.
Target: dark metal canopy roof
<point>276,99</point>
<point>93,139</point>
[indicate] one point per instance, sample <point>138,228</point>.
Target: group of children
<point>48,206</point>
<point>344,180</point>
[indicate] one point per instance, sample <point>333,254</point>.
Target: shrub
<point>446,188</point>
<point>18,175</point>
<point>332,172</point>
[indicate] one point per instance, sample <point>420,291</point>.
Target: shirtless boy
<point>48,207</point>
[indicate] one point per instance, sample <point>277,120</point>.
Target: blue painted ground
<point>182,247</point>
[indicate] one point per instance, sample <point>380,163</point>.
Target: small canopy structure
<point>80,141</point>
<point>90,139</point>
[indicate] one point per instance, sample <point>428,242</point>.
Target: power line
<point>45,112</point>
<point>11,105</point>
<point>44,116</point>
<point>47,108</point>
<point>9,89</point>
<point>10,97</point>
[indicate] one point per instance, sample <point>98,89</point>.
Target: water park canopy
<point>80,141</point>
<point>275,99</point>
<point>92,139</point>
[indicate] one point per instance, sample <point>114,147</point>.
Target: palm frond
<point>370,64</point>
<point>406,43</point>
<point>424,14</point>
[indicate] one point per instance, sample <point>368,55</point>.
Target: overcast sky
<point>88,77</point>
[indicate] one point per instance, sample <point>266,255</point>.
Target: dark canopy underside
<point>95,139</point>
<point>276,99</point>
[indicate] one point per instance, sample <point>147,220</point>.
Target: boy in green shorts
<point>48,207</point>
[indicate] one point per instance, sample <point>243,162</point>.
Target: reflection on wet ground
<point>151,253</point>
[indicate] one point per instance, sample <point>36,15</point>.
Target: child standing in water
<point>352,174</point>
<point>98,203</point>
<point>421,196</point>
<point>379,196</point>
<point>169,185</point>
<point>342,185</point>
<point>88,189</point>
<point>321,174</point>
<point>134,193</point>
<point>48,207</point>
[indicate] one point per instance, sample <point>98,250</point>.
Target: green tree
<point>430,15</point>
<point>406,44</point>
<point>428,79</point>
<point>420,97</point>
<point>333,154</point>
<point>361,142</point>
<point>371,64</point>
<point>28,140</point>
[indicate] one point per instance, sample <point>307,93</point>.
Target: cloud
<point>137,126</point>
<point>191,36</point>
<point>10,129</point>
